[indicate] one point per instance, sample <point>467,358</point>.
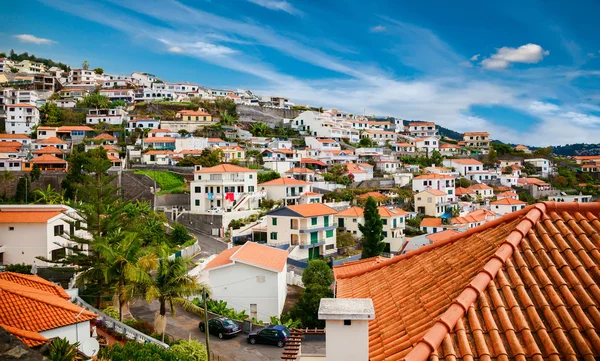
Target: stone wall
<point>9,187</point>
<point>136,187</point>
<point>271,116</point>
<point>209,224</point>
<point>173,200</point>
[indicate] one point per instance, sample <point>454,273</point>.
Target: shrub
<point>318,272</point>
<point>144,327</point>
<point>142,352</point>
<point>191,349</point>
<point>111,311</point>
<point>19,268</point>
<point>179,234</point>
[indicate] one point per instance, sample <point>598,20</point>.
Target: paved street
<point>185,325</point>
<point>209,245</point>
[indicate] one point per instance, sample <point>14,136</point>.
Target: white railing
<point>111,323</point>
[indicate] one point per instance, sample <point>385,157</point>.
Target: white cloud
<point>378,29</point>
<point>529,54</point>
<point>543,107</point>
<point>176,49</point>
<point>475,57</point>
<point>28,38</point>
<point>581,118</point>
<point>277,5</point>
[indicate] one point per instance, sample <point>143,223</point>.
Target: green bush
<point>144,327</point>
<point>167,181</point>
<point>192,349</point>
<point>111,311</point>
<point>19,268</point>
<point>179,234</point>
<point>142,352</point>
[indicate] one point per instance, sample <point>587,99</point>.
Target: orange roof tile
<point>22,105</point>
<point>480,186</point>
<point>225,168</point>
<point>508,201</point>
<point>351,212</point>
<point>476,133</point>
<point>284,181</point>
<point>442,236</point>
<point>312,209</point>
<point>312,161</point>
<point>507,194</point>
<point>300,170</point>
<point>523,286</point>
<point>70,128</point>
<point>48,150</point>
<point>436,192</point>
<point>29,338</point>
<point>356,266</point>
<point>309,194</point>
<point>435,176</point>
<point>431,222</point>
<point>104,136</point>
<point>159,140</point>
<point>12,144</point>
<point>354,168</point>
<point>35,281</point>
<point>52,140</point>
<point>194,113</point>
<point>8,215</point>
<point>8,149</point>
<point>262,256</point>
<point>222,258</point>
<point>33,310</point>
<point>466,161</point>
<point>215,140</point>
<point>48,159</point>
<point>386,212</point>
<point>13,136</point>
<point>376,195</point>
<point>461,191</point>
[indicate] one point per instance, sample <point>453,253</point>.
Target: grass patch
<point>167,181</point>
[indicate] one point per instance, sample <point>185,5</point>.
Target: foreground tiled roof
<point>26,311</point>
<point>356,266</point>
<point>521,287</point>
<point>34,281</point>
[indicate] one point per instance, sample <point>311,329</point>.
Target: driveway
<point>185,325</point>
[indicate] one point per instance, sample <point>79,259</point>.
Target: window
<point>58,230</point>
<point>354,220</point>
<point>314,221</point>
<point>384,222</point>
<point>274,222</point>
<point>250,188</point>
<point>384,234</point>
<point>198,189</point>
<point>329,234</point>
<point>347,322</point>
<point>250,176</point>
<point>329,247</point>
<point>260,279</point>
<point>274,236</point>
<point>11,228</point>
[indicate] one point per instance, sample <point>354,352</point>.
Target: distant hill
<point>577,149</point>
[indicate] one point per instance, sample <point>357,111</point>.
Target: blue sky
<point>526,71</point>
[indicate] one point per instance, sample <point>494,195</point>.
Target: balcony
<point>307,245</point>
<point>319,228</point>
<point>220,181</point>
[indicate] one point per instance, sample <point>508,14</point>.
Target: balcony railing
<point>306,245</point>
<point>319,228</point>
<point>219,181</point>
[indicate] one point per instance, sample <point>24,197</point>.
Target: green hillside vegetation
<point>167,182</point>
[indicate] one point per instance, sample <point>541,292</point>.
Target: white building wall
<point>241,285</point>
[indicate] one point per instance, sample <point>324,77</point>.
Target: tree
<point>23,190</point>
<point>183,132</point>
<point>260,129</point>
<point>172,286</point>
<point>61,350</point>
<point>85,65</point>
<point>179,234</point>
<point>49,196</point>
<point>211,157</point>
<point>318,272</point>
<point>267,176</point>
<point>560,181</point>
<point>50,113</point>
<point>365,143</point>
<point>94,100</point>
<point>99,71</point>
<point>372,231</point>
<point>193,349</point>
<point>36,172</point>
<point>117,103</point>
<point>307,308</point>
<point>502,148</point>
<point>463,182</point>
<point>143,352</point>
<point>344,240</point>
<point>492,156</point>
<point>13,69</point>
<point>436,158</point>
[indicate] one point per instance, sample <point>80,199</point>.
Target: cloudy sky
<point>526,71</point>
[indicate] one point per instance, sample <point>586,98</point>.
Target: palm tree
<point>126,265</point>
<point>259,129</point>
<point>172,285</point>
<point>49,196</point>
<point>61,350</point>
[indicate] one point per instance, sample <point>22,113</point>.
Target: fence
<point>293,279</point>
<point>297,263</point>
<point>112,324</point>
<point>189,251</point>
<point>337,262</point>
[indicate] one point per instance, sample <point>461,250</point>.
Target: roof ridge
<point>446,322</point>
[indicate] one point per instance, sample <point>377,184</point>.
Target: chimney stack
<point>347,325</point>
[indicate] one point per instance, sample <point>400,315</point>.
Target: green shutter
<point>274,221</point>
<point>326,219</point>
<point>314,221</point>
<point>314,237</point>
<point>329,233</point>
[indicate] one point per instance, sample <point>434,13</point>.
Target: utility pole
<point>206,324</point>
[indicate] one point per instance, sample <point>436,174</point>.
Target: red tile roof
<point>104,136</point>
<point>30,310</point>
<point>435,176</point>
<point>284,181</point>
<point>312,209</point>
<point>159,140</point>
<point>442,236</point>
<point>13,136</point>
<point>25,216</point>
<point>521,287</point>
<point>461,191</point>
<point>431,222</point>
<point>386,212</point>
<point>351,212</point>
<point>70,128</point>
<point>436,192</point>
<point>312,161</point>
<point>508,201</point>
<point>300,170</point>
<point>225,168</point>
<point>356,266</point>
<point>251,253</point>
<point>48,150</point>
<point>48,159</point>
<point>466,161</point>
<point>36,282</point>
<point>52,140</point>
<point>378,196</point>
<point>480,186</point>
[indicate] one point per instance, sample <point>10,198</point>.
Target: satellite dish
<point>90,347</point>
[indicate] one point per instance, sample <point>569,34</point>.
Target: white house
<point>507,205</point>
<point>431,202</point>
<point>442,182</point>
<point>403,147</point>
<point>380,137</point>
<point>144,80</point>
<point>464,166</point>
<point>125,95</point>
<point>422,129</point>
<point>426,145</point>
<point>542,166</point>
<point>309,228</point>
<point>114,116</point>
<point>508,194</point>
<point>482,190</point>
<point>359,172</point>
<point>449,150</point>
<point>509,179</point>
<point>581,198</point>
<point>21,118</point>
<point>287,189</point>
<point>143,123</point>
<point>431,225</point>
<point>35,311</point>
<point>31,231</point>
<point>322,144</point>
<point>225,187</point>
<point>250,278</point>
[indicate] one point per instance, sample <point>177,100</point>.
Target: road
<point>209,245</point>
<point>185,325</point>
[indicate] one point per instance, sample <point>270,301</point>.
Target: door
<point>314,237</point>
<point>341,222</point>
<point>253,311</point>
<point>326,220</point>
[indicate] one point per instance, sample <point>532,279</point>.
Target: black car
<point>222,327</point>
<point>271,335</point>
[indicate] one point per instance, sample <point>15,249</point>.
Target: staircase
<point>240,203</point>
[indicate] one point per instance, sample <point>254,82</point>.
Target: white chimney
<point>347,325</point>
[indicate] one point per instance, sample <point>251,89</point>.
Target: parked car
<point>270,335</point>
<point>222,327</point>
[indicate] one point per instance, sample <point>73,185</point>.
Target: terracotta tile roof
<point>251,253</point>
<point>356,266</point>
<point>312,161</point>
<point>8,215</point>
<point>532,181</point>
<point>8,149</point>
<point>442,236</point>
<point>461,191</point>
<point>508,201</point>
<point>48,150</point>
<point>31,339</point>
<point>421,124</point>
<point>522,287</point>
<point>159,152</point>
<point>386,212</point>
<point>215,140</point>
<point>449,145</point>
<point>468,219</point>
<point>70,128</point>
<point>36,282</point>
<point>193,113</point>
<point>351,212</point>
<point>480,186</point>
<point>312,209</point>
<point>435,176</point>
<point>300,170</point>
<point>431,222</point>
<point>225,168</point>
<point>476,133</point>
<point>436,192</point>
<point>31,310</point>
<point>104,136</point>
<point>309,194</point>
<point>521,147</point>
<point>52,140</point>
<point>13,136</point>
<point>22,105</point>
<point>48,159</point>
<point>507,194</point>
<point>376,195</point>
<point>403,145</point>
<point>159,131</point>
<point>466,161</point>
<point>12,144</point>
<point>354,168</point>
<point>284,181</point>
